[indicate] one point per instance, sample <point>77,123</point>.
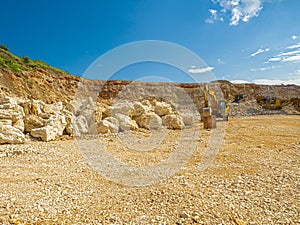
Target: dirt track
<point>255,179</point>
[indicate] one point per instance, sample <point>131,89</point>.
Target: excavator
<point>219,108</point>
<point>296,103</point>
<point>239,97</point>
<point>272,102</point>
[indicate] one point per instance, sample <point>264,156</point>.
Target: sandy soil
<point>254,179</point>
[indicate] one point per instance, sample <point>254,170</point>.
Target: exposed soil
<point>254,179</point>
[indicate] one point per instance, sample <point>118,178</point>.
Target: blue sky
<point>246,40</point>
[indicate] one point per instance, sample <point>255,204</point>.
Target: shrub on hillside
<point>4,47</point>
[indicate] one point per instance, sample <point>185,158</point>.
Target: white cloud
<point>290,56</point>
<point>195,70</point>
<point>288,53</point>
<point>239,10</point>
<point>240,82</point>
<point>274,59</point>
<point>295,81</point>
<point>294,37</point>
<point>259,51</point>
<point>213,16</point>
<point>294,58</point>
<point>264,68</point>
<point>294,46</point>
<point>277,81</point>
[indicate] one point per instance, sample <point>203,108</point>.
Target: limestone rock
<point>33,121</point>
<point>36,107</point>
<point>108,125</point>
<point>13,113</point>
<point>149,121</point>
<point>146,103</point>
<point>10,135</point>
<point>53,108</point>
<point>112,120</point>
<point>162,108</point>
<point>26,105</point>
<point>187,119</point>
<point>120,108</point>
<point>47,133</point>
<point>126,123</point>
<point>72,106</point>
<point>173,121</point>
<point>19,124</point>
<point>137,109</point>
<point>70,120</point>
<point>88,113</point>
<point>80,125</point>
<point>57,121</point>
<point>6,122</point>
<point>7,100</point>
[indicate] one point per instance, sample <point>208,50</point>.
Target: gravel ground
<point>254,179</point>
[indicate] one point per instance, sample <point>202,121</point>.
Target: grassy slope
<point>19,64</point>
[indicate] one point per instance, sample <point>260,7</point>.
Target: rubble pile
<point>24,119</point>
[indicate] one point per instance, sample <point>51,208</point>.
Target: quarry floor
<point>252,178</point>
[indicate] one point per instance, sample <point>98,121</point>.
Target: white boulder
<point>47,133</point>
<point>187,119</point>
<point>173,121</point>
<point>120,108</point>
<point>108,125</point>
<point>126,123</point>
<point>149,120</point>
<point>80,125</point>
<point>37,107</point>
<point>53,108</point>
<point>32,121</point>
<point>19,124</point>
<point>57,121</point>
<point>137,109</point>
<point>11,135</point>
<point>162,108</point>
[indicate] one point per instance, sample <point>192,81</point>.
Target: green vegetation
<point>12,62</point>
<point>4,47</point>
<point>19,64</point>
